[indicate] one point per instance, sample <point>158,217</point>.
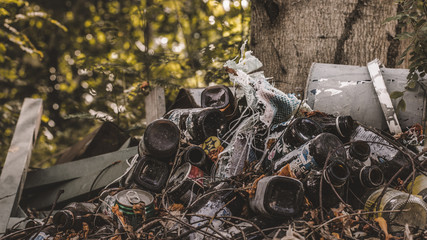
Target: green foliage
<point>413,15</point>
<point>88,60</point>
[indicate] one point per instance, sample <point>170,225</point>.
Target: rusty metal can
<point>187,183</point>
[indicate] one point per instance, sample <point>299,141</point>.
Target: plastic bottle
<point>150,173</point>
<point>337,173</point>
<point>296,134</point>
<point>73,215</point>
<point>160,140</point>
<point>415,214</point>
<point>197,124</point>
<point>278,197</point>
<point>313,154</point>
<point>419,186</point>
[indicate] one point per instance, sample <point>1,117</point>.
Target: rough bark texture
<point>288,36</point>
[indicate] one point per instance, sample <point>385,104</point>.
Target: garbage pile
<point>263,166</point>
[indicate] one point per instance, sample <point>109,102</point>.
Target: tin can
<point>187,182</point>
<point>126,199</point>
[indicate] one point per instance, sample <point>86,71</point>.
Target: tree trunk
<point>288,36</point>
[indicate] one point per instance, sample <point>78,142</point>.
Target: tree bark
<point>288,36</point>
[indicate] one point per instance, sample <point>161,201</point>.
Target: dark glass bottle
<point>296,134</point>
<point>342,126</point>
<point>359,150</point>
<point>278,197</point>
<point>337,173</point>
<point>160,140</point>
<point>150,173</point>
<point>220,97</point>
<point>383,153</point>
<point>363,177</point>
<point>197,124</point>
<point>313,154</point>
<point>197,157</point>
<point>73,215</point>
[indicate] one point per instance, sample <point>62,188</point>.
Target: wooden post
<point>155,105</point>
<point>18,158</point>
<point>384,97</point>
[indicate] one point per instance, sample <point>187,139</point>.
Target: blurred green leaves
<point>88,59</point>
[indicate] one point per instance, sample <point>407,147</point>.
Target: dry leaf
<point>383,225</point>
<point>286,171</point>
<point>176,207</point>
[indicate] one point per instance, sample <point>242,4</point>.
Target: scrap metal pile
<point>260,166</point>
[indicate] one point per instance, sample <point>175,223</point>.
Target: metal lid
<point>131,197</point>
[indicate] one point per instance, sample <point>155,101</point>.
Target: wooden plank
<point>384,97</point>
<point>18,159</point>
<point>77,187</point>
<point>348,90</point>
<point>155,105</point>
<point>76,169</point>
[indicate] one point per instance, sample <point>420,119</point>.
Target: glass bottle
<point>296,134</point>
<point>73,215</point>
<point>150,173</point>
<point>419,186</point>
<point>160,140</point>
<point>197,124</point>
<point>313,154</point>
<point>337,173</point>
<point>278,197</point>
<point>363,177</point>
<point>392,200</point>
<point>341,126</point>
<point>359,150</point>
<point>383,153</point>
<point>219,97</point>
<point>197,157</point>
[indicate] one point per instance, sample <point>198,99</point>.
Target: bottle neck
<point>64,219</point>
<point>337,173</point>
<point>359,150</point>
<point>371,176</point>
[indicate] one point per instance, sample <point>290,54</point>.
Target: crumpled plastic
<point>274,105</point>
